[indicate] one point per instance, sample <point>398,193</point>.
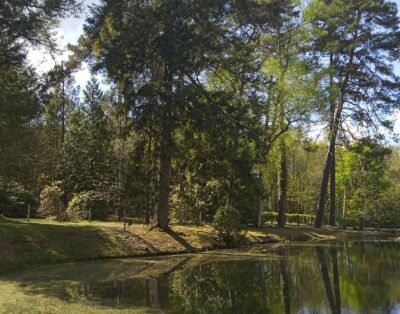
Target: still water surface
<point>359,277</point>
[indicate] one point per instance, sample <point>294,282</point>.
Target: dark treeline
<point>208,113</point>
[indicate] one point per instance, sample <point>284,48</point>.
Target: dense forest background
<point>209,115</point>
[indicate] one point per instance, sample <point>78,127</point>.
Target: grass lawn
<point>42,242</point>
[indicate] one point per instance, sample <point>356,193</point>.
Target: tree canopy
<point>204,110</point>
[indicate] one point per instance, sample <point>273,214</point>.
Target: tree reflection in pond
<point>342,278</point>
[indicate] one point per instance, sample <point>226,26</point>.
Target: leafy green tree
<point>305,160</point>
<point>361,176</point>
<point>291,90</point>
<point>388,207</point>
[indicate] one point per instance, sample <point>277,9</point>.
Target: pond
<point>353,277</point>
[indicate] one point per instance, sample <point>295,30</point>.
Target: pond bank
<point>41,242</point>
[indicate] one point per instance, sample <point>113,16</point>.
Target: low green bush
<point>91,205</point>
<point>269,217</point>
<point>300,218</point>
<point>227,223</point>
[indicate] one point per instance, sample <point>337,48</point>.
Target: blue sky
<point>69,31</point>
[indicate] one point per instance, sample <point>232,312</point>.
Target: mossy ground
<point>41,242</point>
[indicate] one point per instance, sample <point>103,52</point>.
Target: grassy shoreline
<point>40,242</point>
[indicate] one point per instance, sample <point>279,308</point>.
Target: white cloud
<point>68,32</point>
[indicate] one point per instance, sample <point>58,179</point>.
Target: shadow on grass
<point>26,244</point>
<point>147,243</point>
<point>180,240</point>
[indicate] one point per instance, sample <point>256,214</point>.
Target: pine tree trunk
<point>121,163</point>
<point>161,212</point>
<point>121,159</point>
<point>149,169</point>
<point>332,143</point>
<point>328,168</point>
<point>344,203</point>
<point>332,196</point>
<point>232,176</point>
<point>282,186</point>
<point>63,111</point>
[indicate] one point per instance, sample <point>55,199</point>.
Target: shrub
<point>51,204</point>
<point>90,205</point>
<point>227,223</point>
<point>300,218</point>
<point>291,218</point>
<point>14,199</point>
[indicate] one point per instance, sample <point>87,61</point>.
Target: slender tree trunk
<point>332,196</point>
<point>344,203</point>
<point>150,165</point>
<point>161,212</point>
<point>328,166</point>
<point>121,166</point>
<point>121,158</point>
<point>324,186</point>
<point>260,212</point>
<point>63,129</point>
<point>332,108</point>
<point>231,183</point>
<point>283,178</point>
<point>63,107</point>
<point>63,114</point>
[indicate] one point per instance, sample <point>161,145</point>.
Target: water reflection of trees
<point>332,288</point>
<point>316,279</point>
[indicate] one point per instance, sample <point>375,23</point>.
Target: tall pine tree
<point>360,40</point>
